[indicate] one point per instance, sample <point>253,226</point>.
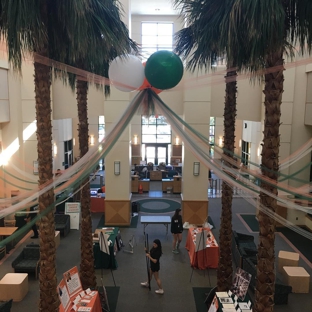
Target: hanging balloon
<point>126,73</point>
<point>164,70</point>
<point>147,85</point>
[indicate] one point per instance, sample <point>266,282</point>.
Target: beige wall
<point>197,95</point>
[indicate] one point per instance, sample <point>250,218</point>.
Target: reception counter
<point>97,204</point>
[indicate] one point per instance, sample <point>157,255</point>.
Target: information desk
<point>206,258</point>
<point>97,204</point>
<point>101,259</point>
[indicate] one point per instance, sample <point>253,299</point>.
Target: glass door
<point>161,154</point>
<point>150,154</point>
<point>156,153</point>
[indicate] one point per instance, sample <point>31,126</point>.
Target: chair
<point>5,306</point>
<point>9,223</point>
<point>27,261</point>
<point>62,223</point>
<point>2,252</point>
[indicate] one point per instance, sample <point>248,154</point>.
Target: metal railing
<point>215,188</point>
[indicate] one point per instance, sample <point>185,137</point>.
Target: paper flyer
<point>63,295</point>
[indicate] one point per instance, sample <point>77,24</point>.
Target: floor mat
<point>112,298</point>
<point>158,205</point>
<point>200,294</point>
<point>251,221</point>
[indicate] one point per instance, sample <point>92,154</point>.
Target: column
<point>195,187</point>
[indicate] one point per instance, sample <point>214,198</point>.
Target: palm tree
<point>200,44</point>
<point>257,34</point>
<point>271,28</point>
<point>105,45</point>
<point>45,27</point>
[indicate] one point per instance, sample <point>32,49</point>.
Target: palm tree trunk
<point>87,271</point>
<point>225,271</point>
<point>49,300</point>
<point>265,285</point>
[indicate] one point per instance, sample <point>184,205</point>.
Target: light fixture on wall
<point>91,139</point>
<point>54,149</point>
<point>135,139</point>
<point>196,167</point>
<point>258,151</point>
<point>177,140</point>
<point>117,167</point>
<point>220,141</point>
<point>240,143</point>
<point>74,141</point>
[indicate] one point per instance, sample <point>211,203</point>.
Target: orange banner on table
<point>206,258</point>
<point>73,297</point>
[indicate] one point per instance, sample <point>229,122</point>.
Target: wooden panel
<point>136,150</point>
<point>177,184</point>
<point>177,150</point>
<point>195,212</point>
<point>145,185</point>
<point>281,211</point>
<point>134,184</point>
<point>155,175</point>
<point>166,184</point>
<point>117,212</point>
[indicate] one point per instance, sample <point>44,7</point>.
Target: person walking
<point>31,216</point>
<point>154,254</point>
<point>176,230</point>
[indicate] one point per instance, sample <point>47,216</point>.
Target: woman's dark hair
<point>157,241</point>
<point>176,213</point>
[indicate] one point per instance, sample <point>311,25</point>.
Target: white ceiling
<point>152,7</point>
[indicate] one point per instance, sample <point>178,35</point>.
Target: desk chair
<point>9,223</point>
<point>2,251</point>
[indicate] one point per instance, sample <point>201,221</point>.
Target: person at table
<point>176,230</point>
<point>154,256</point>
<point>31,216</point>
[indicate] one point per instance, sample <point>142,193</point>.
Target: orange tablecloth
<point>94,304</point>
<point>97,204</point>
<point>203,259</point>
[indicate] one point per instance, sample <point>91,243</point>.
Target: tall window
<point>156,139</point>
<point>212,128</point>
<point>245,152</point>
<point>155,130</point>
<point>101,128</point>
<point>156,36</point>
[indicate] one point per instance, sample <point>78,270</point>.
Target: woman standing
<point>176,230</point>
<point>154,255</point>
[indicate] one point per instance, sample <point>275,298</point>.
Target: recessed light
<point>157,9</point>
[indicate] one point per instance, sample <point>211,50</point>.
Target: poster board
<point>63,295</point>
<point>103,242</point>
<point>241,283</point>
<point>72,207</point>
<point>73,297</point>
<point>201,239</point>
<point>214,305</point>
<point>72,281</point>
